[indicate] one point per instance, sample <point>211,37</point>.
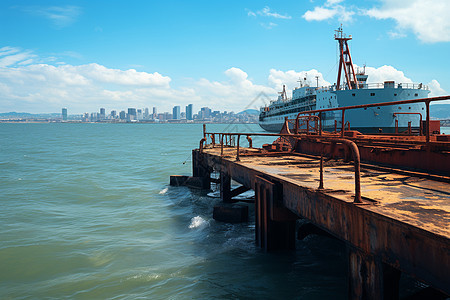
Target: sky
<point>227,55</point>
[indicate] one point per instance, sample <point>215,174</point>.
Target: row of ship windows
<point>373,94</point>
<point>365,108</point>
<point>325,117</point>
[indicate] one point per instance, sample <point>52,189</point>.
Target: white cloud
<point>60,16</point>
<point>236,92</point>
<point>40,87</point>
<point>385,73</point>
<point>269,25</point>
<point>290,78</point>
<point>8,50</point>
<point>428,19</point>
<point>436,89</point>
<point>319,14</point>
<point>10,56</point>
<point>266,12</point>
<point>389,73</point>
<point>330,9</point>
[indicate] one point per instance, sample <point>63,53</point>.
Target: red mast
<point>283,93</point>
<point>345,61</point>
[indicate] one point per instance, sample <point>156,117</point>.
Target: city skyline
<point>232,56</point>
<point>137,114</point>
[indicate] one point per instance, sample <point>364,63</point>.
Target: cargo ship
<point>354,90</point>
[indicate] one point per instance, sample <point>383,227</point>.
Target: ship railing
<point>281,111</point>
<point>227,139</point>
<point>427,102</point>
<point>391,84</point>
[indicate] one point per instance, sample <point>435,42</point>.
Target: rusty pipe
<point>237,150</point>
<point>250,142</point>
<point>203,140</point>
<point>357,162</point>
<point>321,171</point>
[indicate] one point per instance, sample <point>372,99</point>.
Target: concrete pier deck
<point>402,224</point>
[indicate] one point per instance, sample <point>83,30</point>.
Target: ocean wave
<point>198,222</point>
<point>163,191</point>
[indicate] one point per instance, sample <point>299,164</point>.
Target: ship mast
<point>345,61</point>
<point>283,93</point>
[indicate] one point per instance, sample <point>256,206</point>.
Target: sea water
<point>87,213</point>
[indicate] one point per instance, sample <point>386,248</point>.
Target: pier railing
<point>227,139</point>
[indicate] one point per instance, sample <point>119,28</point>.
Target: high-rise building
<point>95,117</point>
<point>122,115</point>
<point>155,112</point>
<point>113,114</point>
<point>205,113</point>
<point>102,114</point>
<point>64,114</point>
<point>176,113</point>
<point>146,115</point>
<point>139,114</point>
<point>189,109</point>
<point>132,114</point>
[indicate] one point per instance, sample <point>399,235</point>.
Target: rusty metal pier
<point>386,196</point>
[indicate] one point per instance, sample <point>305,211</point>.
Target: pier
<point>386,196</point>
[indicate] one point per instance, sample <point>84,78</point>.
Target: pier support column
<point>201,170</point>
<point>225,187</point>
<point>274,224</point>
<point>369,278</point>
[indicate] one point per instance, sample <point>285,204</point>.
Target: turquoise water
<point>87,213</point>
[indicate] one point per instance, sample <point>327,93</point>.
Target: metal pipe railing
<point>348,143</point>
<point>421,100</point>
<point>408,113</point>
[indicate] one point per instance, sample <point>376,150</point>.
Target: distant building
<point>95,117</point>
<point>204,113</point>
<point>155,112</point>
<point>139,115</point>
<point>113,114</point>
<point>189,115</point>
<point>64,114</point>
<point>176,113</point>
<point>102,115</point>
<point>132,114</point>
<point>146,114</point>
<point>123,115</point>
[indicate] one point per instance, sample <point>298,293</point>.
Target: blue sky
<point>228,55</point>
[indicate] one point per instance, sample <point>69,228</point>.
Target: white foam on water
<point>198,222</point>
<point>162,192</point>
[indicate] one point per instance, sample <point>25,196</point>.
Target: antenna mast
<point>283,93</point>
<point>345,61</point>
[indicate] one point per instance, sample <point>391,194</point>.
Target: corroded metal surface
<point>403,220</point>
